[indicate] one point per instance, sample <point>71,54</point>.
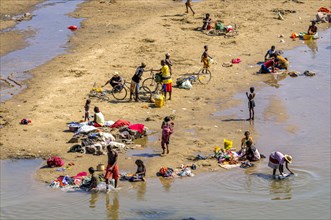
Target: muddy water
<point>50,22</point>
<point>292,116</point>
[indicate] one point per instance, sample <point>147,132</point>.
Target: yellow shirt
<point>166,74</point>
<point>284,63</point>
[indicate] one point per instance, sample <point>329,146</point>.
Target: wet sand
<point>118,37</point>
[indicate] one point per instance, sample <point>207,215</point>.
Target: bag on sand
<point>55,162</point>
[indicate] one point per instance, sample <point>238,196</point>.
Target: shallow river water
<point>49,22</point>
<point>225,194</point>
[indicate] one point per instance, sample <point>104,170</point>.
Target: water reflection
<point>312,44</point>
<point>141,190</point>
<point>93,200</point>
<point>274,79</point>
<point>112,208</point>
<point>281,189</point>
<point>166,183</point>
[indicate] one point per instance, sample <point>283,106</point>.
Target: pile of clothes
<point>76,183</point>
<point>181,172</point>
<point>73,182</point>
<point>226,157</point>
<point>323,15</point>
<point>94,140</point>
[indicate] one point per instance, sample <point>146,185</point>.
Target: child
<point>141,172</point>
<point>167,130</point>
<point>87,110</point>
<point>270,54</point>
<point>94,180</point>
<point>188,5</point>
<point>205,58</point>
<point>246,139</point>
<point>251,103</point>
<point>206,22</point>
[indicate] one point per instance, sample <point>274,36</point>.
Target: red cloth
<point>120,123</point>
<point>323,9</point>
<point>111,174</point>
<point>268,63</point>
<point>138,127</point>
<point>96,125</point>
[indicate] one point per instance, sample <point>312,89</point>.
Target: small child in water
<point>94,180</point>
<point>167,129</point>
<point>251,103</point>
<point>140,173</point>
<point>87,110</point>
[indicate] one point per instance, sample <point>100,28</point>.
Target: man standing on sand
<point>135,81</point>
<point>112,167</point>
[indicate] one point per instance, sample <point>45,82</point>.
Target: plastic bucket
<point>159,101</point>
<point>101,167</point>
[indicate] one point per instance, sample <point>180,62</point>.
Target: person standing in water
<point>312,30</point>
<point>112,167</point>
<point>277,160</point>
<point>251,103</point>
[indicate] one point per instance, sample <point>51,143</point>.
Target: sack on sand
<point>186,85</point>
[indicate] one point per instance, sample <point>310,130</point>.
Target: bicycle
<point>153,83</point>
<point>119,92</point>
<point>204,76</point>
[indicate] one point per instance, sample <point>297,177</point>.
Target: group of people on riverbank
<point>248,152</point>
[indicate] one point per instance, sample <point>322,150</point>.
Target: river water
<point>49,22</point>
<point>301,129</point>
<point>232,194</point>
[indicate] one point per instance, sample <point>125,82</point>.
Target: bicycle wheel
<point>204,76</point>
<point>119,92</point>
<point>145,94</point>
<point>150,84</point>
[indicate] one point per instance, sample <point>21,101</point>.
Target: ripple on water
<point>256,185</point>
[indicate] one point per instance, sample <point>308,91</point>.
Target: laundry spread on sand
<point>94,140</point>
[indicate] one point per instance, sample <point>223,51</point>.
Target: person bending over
<point>277,160</point>
<point>115,80</point>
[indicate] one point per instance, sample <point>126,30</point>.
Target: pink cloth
<point>80,175</point>
<point>234,61</point>
<point>138,127</point>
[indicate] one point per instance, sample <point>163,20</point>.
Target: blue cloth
<point>265,69</point>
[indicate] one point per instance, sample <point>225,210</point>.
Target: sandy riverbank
<point>118,37</point>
